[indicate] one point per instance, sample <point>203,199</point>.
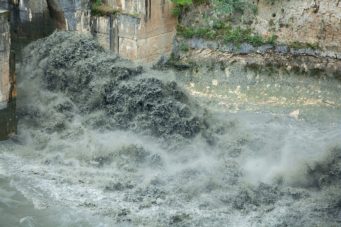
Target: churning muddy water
<point>104,142</point>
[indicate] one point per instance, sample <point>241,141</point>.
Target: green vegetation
<point>221,6</point>
<point>226,33</point>
<point>232,6</point>
<point>223,11</point>
<point>188,32</point>
<point>220,23</point>
<point>99,8</point>
<point>180,6</point>
<point>184,47</point>
<point>300,45</point>
<point>239,35</point>
<point>272,1</point>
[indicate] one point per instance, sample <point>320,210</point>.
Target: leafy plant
<point>184,47</point>
<point>180,6</point>
<point>301,45</point>
<point>182,2</point>
<point>188,32</point>
<point>232,6</point>
<point>99,8</point>
<point>238,35</point>
<point>227,33</point>
<point>272,1</point>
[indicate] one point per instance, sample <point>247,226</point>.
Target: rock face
<point>306,21</point>
<point>7,79</point>
<point>304,60</point>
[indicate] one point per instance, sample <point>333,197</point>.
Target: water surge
<point>130,146</point>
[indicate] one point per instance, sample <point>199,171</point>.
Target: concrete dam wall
<point>7,79</point>
<point>138,30</point>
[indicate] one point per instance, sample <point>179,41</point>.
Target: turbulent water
<point>104,142</point>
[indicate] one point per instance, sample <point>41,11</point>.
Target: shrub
<point>98,8</point>
<point>226,33</point>
<point>232,6</point>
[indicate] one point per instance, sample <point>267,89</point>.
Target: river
<point>105,142</point>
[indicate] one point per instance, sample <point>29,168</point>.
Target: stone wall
<point>7,79</point>
<point>34,19</point>
<point>143,31</point>
<point>30,20</point>
<point>316,22</point>
<point>38,18</point>
<point>104,29</point>
<point>76,13</point>
<point>4,58</point>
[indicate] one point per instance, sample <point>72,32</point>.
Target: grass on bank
<point>301,45</point>
<point>220,6</point>
<point>99,8</point>
<point>226,33</point>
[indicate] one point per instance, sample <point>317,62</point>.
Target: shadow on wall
<point>24,24</point>
<point>7,79</point>
<point>30,21</point>
<point>8,121</point>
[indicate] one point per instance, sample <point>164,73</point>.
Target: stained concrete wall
<point>30,20</point>
<point>37,18</point>
<point>7,79</point>
<point>4,58</point>
<point>104,29</point>
<point>34,19</point>
<point>143,31</point>
<point>76,13</point>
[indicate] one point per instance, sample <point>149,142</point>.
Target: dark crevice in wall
<point>56,13</point>
<point>148,10</point>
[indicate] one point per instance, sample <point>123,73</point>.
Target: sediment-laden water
<point>104,142</point>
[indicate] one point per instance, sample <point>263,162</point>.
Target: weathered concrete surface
<point>4,58</point>
<point>76,13</point>
<point>144,31</point>
<point>306,21</point>
<point>30,20</point>
<point>105,30</point>
<point>151,36</point>
<point>7,79</point>
<point>63,14</point>
<point>34,19</point>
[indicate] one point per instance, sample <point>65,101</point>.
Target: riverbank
<point>262,58</point>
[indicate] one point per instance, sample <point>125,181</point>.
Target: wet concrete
<point>8,120</point>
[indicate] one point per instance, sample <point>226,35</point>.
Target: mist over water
<point>110,143</point>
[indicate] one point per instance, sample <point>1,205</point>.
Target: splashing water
<point>104,142</point>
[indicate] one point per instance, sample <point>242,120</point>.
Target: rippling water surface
<point>103,142</point>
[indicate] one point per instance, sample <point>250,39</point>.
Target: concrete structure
<point>7,79</point>
<point>34,19</point>
<point>143,31</point>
